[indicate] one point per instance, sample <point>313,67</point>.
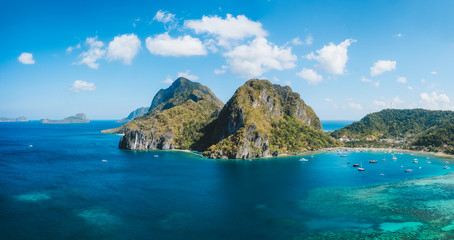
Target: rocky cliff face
<point>246,126</point>
<point>175,119</point>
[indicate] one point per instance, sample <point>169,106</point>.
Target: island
<point>18,119</point>
<point>260,120</point>
<point>412,129</point>
<point>78,118</point>
<point>134,114</point>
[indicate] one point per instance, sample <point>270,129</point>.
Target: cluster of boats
<point>360,168</point>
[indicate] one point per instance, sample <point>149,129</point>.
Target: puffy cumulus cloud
<point>124,47</point>
<point>80,85</point>
<point>382,66</point>
<point>258,57</point>
<point>164,17</point>
<point>328,100</point>
<point>165,45</point>
<point>310,76</point>
<point>332,58</point>
<point>187,75</point>
<point>26,58</point>
<point>167,18</point>
<point>434,100</point>
<point>356,106</point>
<point>401,80</point>
<point>96,51</point>
<point>225,30</point>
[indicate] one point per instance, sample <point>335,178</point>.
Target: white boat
<point>303,160</point>
<point>408,170</point>
<point>446,167</point>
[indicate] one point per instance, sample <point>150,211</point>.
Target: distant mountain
<point>175,118</point>
<point>262,119</point>
<point>417,129</point>
<point>19,119</point>
<point>78,118</point>
<point>134,114</point>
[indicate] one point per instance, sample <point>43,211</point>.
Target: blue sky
<point>107,58</point>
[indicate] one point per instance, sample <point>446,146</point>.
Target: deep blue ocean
<point>69,181</point>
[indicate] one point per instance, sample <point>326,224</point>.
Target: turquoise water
<point>331,125</point>
<point>71,182</point>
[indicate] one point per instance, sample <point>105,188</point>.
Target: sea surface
<point>68,181</point>
<point>332,125</point>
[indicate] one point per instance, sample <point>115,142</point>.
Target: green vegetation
<point>292,135</point>
<point>262,118</point>
<point>180,111</point>
<point>415,129</point>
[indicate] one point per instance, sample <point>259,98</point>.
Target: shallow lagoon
<point>60,187</point>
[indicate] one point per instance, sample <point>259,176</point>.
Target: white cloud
<point>423,80</point>
<point>288,83</point>
<point>276,79</point>
<point>71,48</point>
<point>26,58</point>
<point>364,79</point>
<point>168,80</point>
<point>433,72</point>
<point>80,85</point>
<point>401,80</point>
<point>187,75</point>
<point>382,66</point>
<point>434,100</point>
<point>167,18</point>
<point>220,71</point>
<point>310,76</point>
<point>328,100</point>
<point>376,84</point>
<point>165,45</point>
<point>297,41</point>
<point>332,58</point>
<point>399,35</point>
<point>95,52</point>
<point>225,30</point>
<point>210,44</point>
<point>258,57</point>
<point>410,88</point>
<point>309,40</point>
<point>124,47</point>
<point>356,106</point>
